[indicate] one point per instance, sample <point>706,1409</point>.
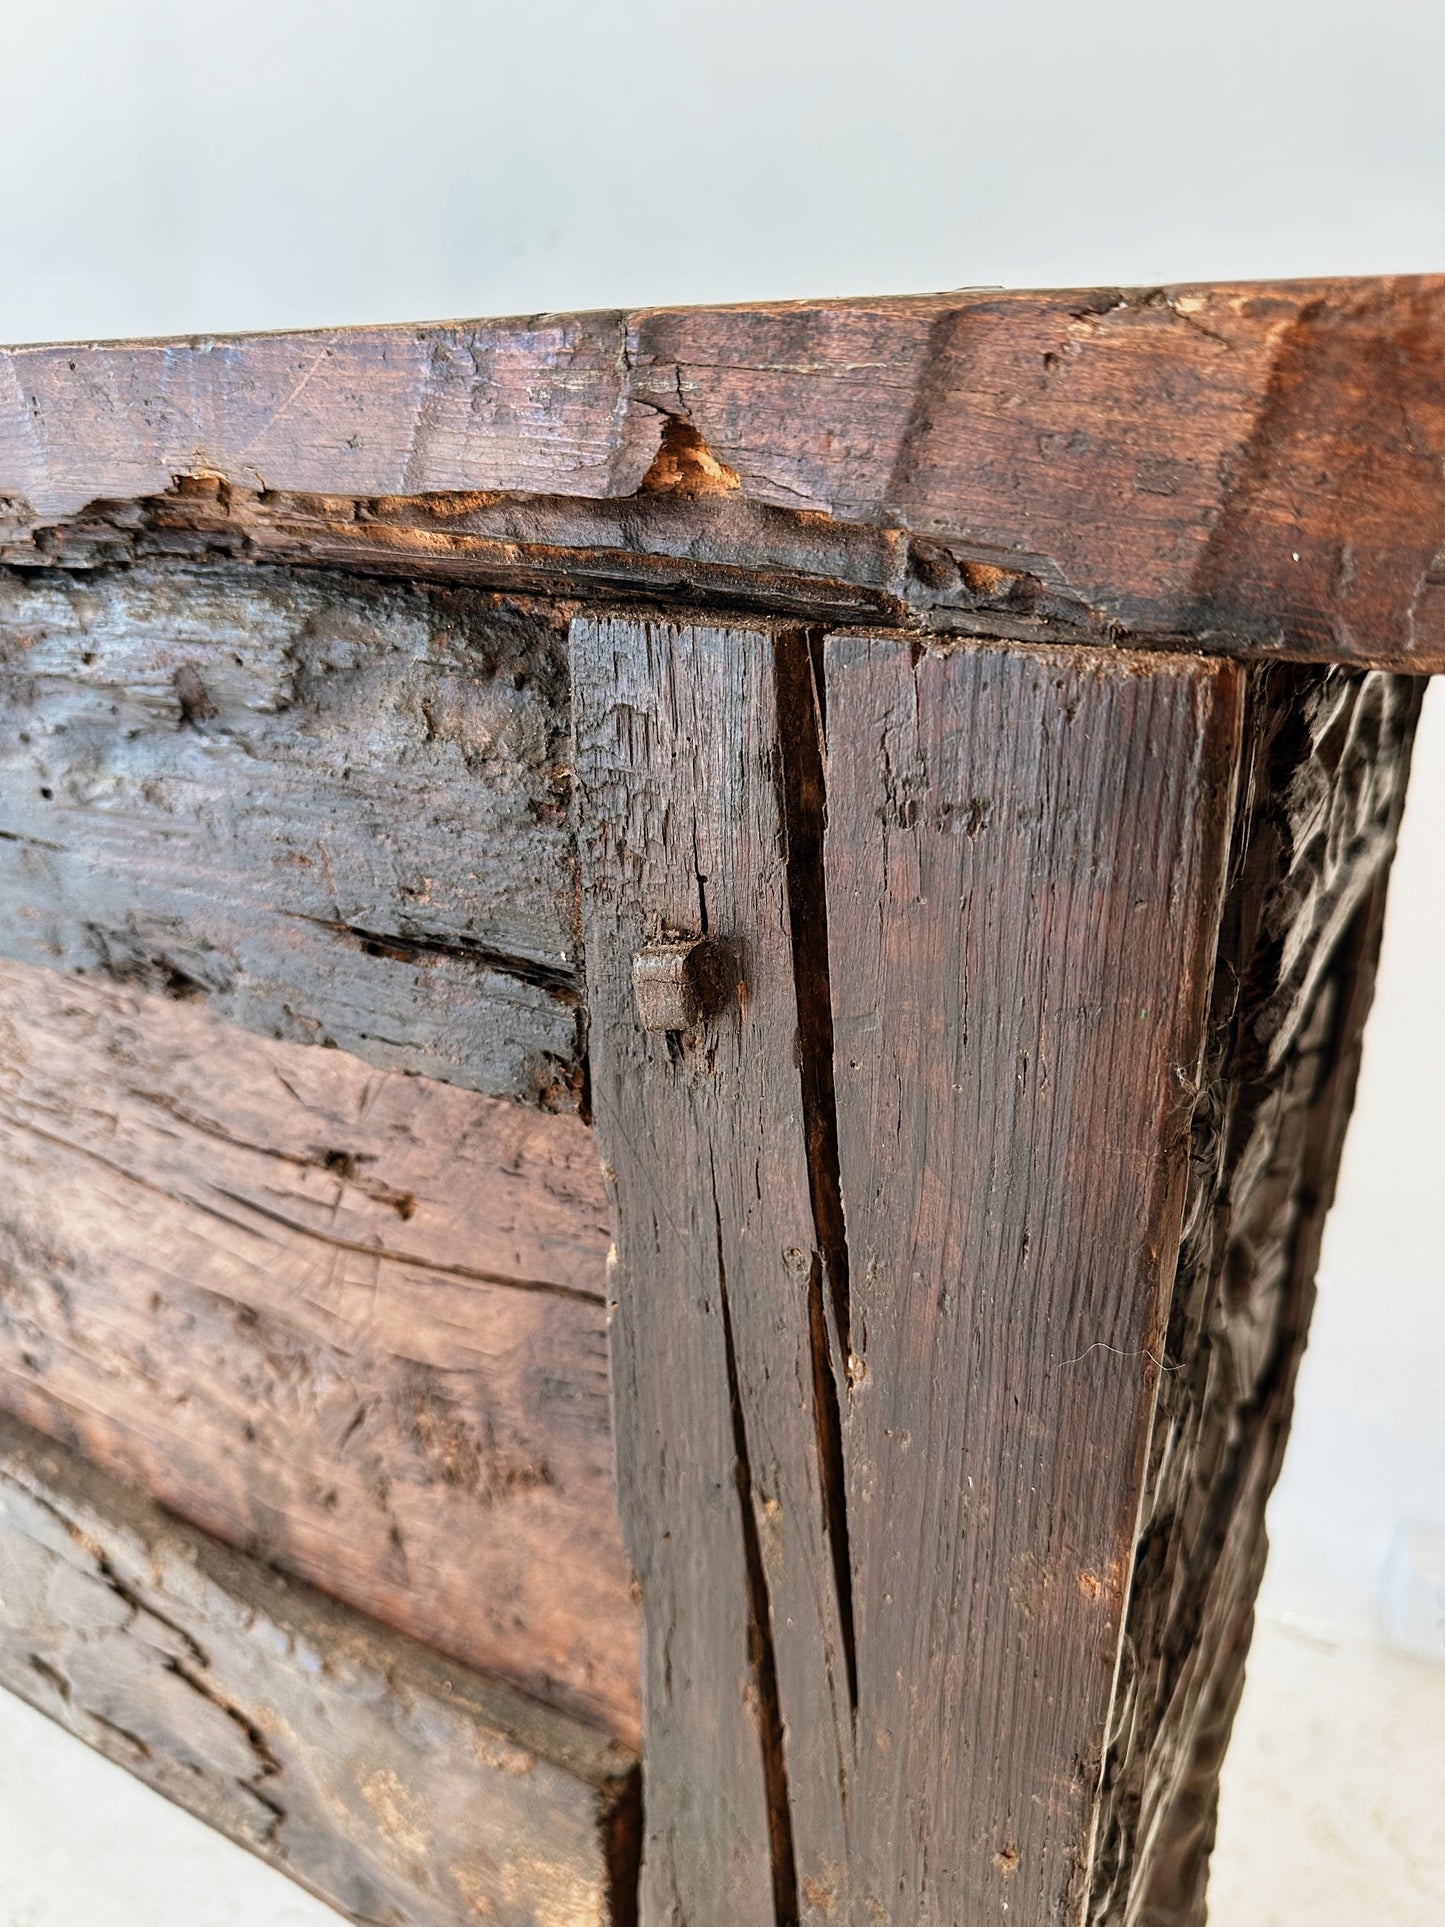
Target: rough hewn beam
<point>1254,466</point>
<point>400,1787</point>
<point>335,810</point>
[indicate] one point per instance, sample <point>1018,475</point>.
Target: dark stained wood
<point>1022,846</point>
<point>334,809</point>
<point>398,1787</point>
<point>350,1321</point>
<point>1257,467</point>
<point>1025,856</point>
<point>1293,985</point>
<point>722,1374</point>
<point>944,1498</point>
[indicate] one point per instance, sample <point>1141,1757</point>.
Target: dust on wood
<point>335,810</point>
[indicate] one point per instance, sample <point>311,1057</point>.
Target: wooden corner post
<point>964,1245</point>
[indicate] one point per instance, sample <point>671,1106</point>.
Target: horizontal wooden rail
<point>1256,467</point>
<point>398,1786</point>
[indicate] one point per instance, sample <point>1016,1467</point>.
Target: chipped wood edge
<point>1215,465</point>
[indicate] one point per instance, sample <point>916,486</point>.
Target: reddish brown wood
<point>400,1787</point>
<point>1025,855</point>
<point>349,1321</point>
<point>1255,466</point>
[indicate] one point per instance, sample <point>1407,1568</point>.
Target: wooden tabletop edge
<point>1258,467</point>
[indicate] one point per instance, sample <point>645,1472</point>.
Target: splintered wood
<point>678,995</point>
<point>398,1786</point>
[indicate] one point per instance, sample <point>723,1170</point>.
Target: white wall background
<point>181,168</point>
<point>171,167</point>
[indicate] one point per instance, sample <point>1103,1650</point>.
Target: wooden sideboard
<point>678,996</point>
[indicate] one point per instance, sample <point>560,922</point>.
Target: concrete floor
<point>82,1844</point>
<point>1333,1804</point>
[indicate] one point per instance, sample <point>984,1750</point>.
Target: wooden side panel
<point>349,1320</point>
<point>1330,753</point>
<point>399,1787</point>
<point>1025,856</point>
<point>334,810</point>
<point>721,1369</point>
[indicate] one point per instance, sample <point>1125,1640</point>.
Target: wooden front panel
<point>334,810</point>
<point>349,1320</point>
<point>287,893</point>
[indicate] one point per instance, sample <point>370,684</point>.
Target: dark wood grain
<point>350,1321</point>
<point>336,810</point>
<point>1256,467</point>
<point>1293,984</point>
<point>723,1373</point>
<point>1025,856</point>
<point>1043,933</point>
<point>398,1787</point>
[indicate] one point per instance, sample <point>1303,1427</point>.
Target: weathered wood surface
<point>1300,936</point>
<point>350,1321</point>
<point>1025,856</point>
<point>1257,467</point>
<point>882,1494</point>
<point>401,1788</point>
<point>335,809</point>
<point>723,1374</point>
<point>932,1628</point>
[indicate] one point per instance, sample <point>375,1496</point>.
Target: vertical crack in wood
<point>1293,980</point>
<point>803,773</point>
<point>624,1852</point>
<point>723,1381</point>
<point>761,1653</point>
